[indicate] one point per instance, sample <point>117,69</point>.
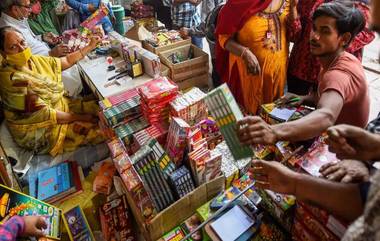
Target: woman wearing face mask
<point>38,115</point>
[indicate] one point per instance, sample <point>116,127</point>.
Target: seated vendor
<point>88,7</point>
<point>38,115</point>
<point>342,95</point>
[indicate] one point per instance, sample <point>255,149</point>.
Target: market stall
<point>175,162</point>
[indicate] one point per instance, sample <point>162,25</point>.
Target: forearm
<point>340,199</point>
<point>64,117</point>
<point>234,47</point>
<point>304,128</point>
<point>73,58</point>
<point>311,99</point>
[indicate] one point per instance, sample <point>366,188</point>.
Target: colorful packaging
<point>315,158</point>
<point>116,220</point>
<point>16,203</point>
<point>116,147</point>
<point>313,226</point>
<point>181,182</point>
<point>177,139</point>
<point>226,112</point>
<point>155,98</point>
<point>190,107</point>
<point>104,179</point>
<point>96,17</point>
<point>175,235</point>
<point>77,225</point>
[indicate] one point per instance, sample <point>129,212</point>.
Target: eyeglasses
<point>25,6</point>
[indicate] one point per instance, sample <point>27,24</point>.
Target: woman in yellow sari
<point>252,51</point>
<point>38,115</point>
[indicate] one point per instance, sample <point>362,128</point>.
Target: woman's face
<point>14,43</point>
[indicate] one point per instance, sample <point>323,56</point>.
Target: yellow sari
<point>31,99</point>
<point>265,35</point>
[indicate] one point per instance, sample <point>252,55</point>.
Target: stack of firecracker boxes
<point>163,151</point>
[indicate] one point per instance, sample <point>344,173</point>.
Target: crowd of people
<point>249,46</point>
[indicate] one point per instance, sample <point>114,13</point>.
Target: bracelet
<point>242,53</point>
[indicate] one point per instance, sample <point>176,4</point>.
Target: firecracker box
<point>170,45</point>
<point>281,207</point>
<point>272,113</point>
<point>194,68</point>
<point>336,226</point>
<point>116,220</point>
<point>313,226</point>
<point>170,217</point>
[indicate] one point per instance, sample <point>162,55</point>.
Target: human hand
<point>113,19</point>
<point>253,66</point>
<point>94,41</point>
<point>184,32</point>
<point>59,50</point>
<point>34,226</point>
<point>254,130</point>
<point>346,171</point>
<point>86,118</point>
<point>274,176</point>
<point>91,8</point>
<point>50,38</point>
<point>290,99</point>
<point>350,142</point>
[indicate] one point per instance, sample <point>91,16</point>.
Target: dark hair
<point>348,18</point>
<point>3,30</point>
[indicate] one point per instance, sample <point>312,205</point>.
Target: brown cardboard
<point>164,70</point>
<point>179,211</point>
<point>197,66</point>
<point>200,81</point>
<point>160,49</point>
<point>138,33</point>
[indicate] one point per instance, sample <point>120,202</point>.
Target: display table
<point>96,75</point>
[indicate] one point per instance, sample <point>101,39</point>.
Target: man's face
<point>22,10</point>
<point>324,37</point>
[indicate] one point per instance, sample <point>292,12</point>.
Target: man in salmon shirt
<point>342,94</point>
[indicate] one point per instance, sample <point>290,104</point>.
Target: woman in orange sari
<point>252,51</point>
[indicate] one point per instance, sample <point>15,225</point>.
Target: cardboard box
<point>146,45</point>
<point>197,66</point>
<point>164,70</point>
<point>200,81</point>
<point>179,211</point>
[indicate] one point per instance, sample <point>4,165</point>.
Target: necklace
<point>272,38</point>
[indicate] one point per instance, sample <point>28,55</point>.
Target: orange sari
<point>265,35</point>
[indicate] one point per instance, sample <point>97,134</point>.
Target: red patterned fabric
<point>301,63</point>
<point>11,229</point>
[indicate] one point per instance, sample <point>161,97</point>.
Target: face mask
<point>20,59</point>
<point>36,8</point>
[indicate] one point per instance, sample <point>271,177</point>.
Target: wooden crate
<point>200,81</point>
<point>146,45</point>
<point>197,66</point>
<point>178,212</point>
<point>164,70</point>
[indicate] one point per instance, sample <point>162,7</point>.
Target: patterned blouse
<point>301,63</point>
